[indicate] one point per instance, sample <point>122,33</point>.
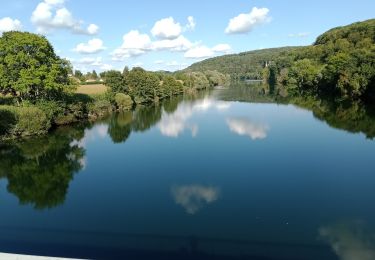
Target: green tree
<point>144,87</point>
<point>94,75</point>
<point>115,81</point>
<point>30,69</point>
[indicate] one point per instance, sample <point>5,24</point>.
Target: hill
<point>245,65</point>
<point>340,63</point>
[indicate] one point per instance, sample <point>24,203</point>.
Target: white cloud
<point>92,46</point>
<point>191,24</point>
<point>89,63</point>
<point>244,23</point>
<point>134,44</point>
<point>93,29</point>
<point>224,48</point>
<point>193,197</point>
<point>159,62</point>
<point>178,44</point>
<point>166,28</point>
<point>50,15</point>
<point>243,126</point>
<point>199,52</point>
<point>8,24</point>
<point>298,35</point>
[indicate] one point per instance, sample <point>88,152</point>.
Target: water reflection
<point>120,127</point>
<point>354,117</point>
<point>244,126</point>
<point>39,170</point>
<point>350,241</point>
<point>194,197</point>
<point>174,124</point>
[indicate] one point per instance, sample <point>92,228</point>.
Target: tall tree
<point>30,69</point>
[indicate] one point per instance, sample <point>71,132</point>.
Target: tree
<point>144,87</point>
<point>30,69</point>
<point>94,75</point>
<point>115,81</point>
<point>79,75</point>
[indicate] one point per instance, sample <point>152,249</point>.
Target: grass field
<point>92,89</point>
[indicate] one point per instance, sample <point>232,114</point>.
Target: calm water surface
<point>204,177</point>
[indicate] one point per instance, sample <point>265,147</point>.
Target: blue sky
<point>171,34</point>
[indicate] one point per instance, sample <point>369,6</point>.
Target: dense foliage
<point>245,65</point>
<point>146,87</point>
<point>37,87</point>
<point>340,63</point>
<point>29,68</point>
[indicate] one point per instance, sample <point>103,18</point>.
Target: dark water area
<point>227,174</point>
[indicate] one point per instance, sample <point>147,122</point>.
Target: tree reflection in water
<point>39,170</point>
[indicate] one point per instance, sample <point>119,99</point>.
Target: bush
<point>24,121</point>
<point>52,109</point>
<point>99,108</point>
<point>123,102</point>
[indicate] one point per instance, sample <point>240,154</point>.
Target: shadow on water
<point>7,121</point>
<point>113,245</point>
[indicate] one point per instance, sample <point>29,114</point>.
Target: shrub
<point>24,121</point>
<point>52,109</point>
<point>99,108</point>
<point>123,102</point>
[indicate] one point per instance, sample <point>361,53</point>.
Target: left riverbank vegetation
<point>38,89</point>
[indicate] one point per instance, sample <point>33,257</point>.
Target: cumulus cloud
<point>166,28</point>
<point>244,23</point>
<point>298,35</point>
<point>84,64</point>
<point>92,46</point>
<point>135,44</point>
<point>199,52</point>
<point>194,197</point>
<point>223,48</point>
<point>243,126</point>
<point>176,45</point>
<point>50,15</point>
<point>191,24</point>
<point>168,34</point>
<point>8,24</point>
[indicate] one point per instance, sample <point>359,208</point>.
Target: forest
<point>340,63</point>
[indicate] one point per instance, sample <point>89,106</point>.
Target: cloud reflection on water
<point>172,125</point>
<point>350,242</point>
<point>98,131</point>
<point>194,197</point>
<point>243,126</point>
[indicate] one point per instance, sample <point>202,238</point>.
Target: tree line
<point>37,87</point>
<point>340,64</point>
